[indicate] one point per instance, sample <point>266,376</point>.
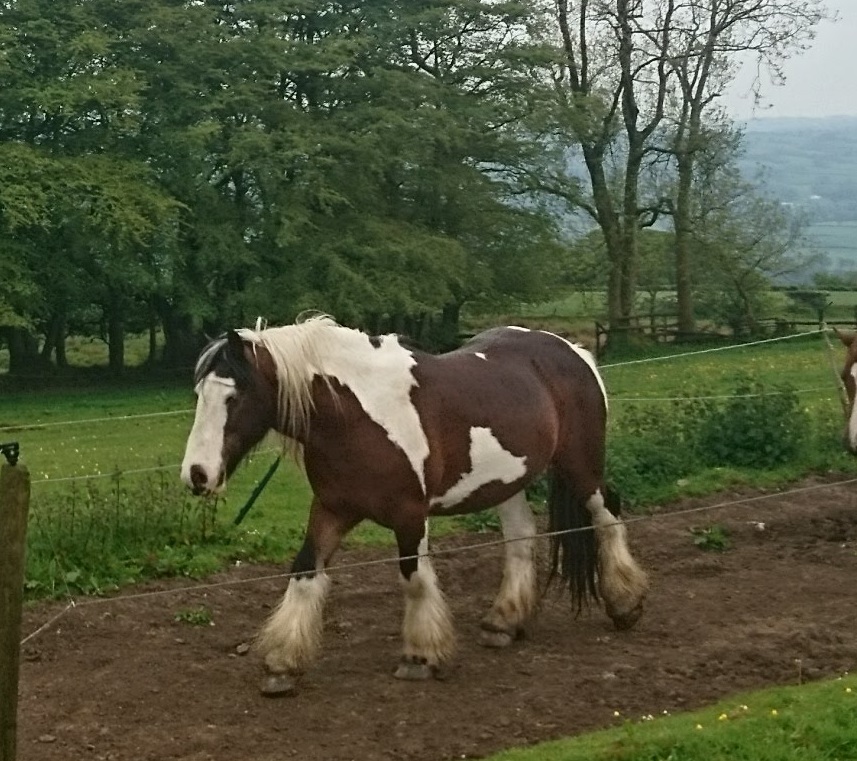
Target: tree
<point>709,40</point>
<point>74,188</point>
<point>742,242</point>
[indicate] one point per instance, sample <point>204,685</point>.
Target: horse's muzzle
<point>199,482</point>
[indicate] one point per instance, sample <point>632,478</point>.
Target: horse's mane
<point>296,351</point>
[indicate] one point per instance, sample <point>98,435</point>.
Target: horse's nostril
<point>198,478</point>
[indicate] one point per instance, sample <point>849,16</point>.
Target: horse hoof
<point>277,685</point>
<point>624,621</point>
<point>414,672</point>
<point>493,639</point>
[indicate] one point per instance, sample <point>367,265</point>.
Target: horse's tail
<point>574,549</point>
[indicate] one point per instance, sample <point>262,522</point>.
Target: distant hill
<point>811,163</point>
<point>808,162</point>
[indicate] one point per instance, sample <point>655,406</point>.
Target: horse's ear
<point>846,338</point>
<point>235,343</point>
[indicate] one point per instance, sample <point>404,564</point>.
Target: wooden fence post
<point>14,506</point>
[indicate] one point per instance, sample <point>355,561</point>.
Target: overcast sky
<point>820,82</point>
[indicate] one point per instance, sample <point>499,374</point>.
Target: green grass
<point>813,722</point>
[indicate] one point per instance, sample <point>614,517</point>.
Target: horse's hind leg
<point>427,625</point>
<point>517,597</point>
<point>291,638</point>
<point>621,582</point>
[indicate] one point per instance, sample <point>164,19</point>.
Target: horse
<point>849,381</point>
<point>395,435</point>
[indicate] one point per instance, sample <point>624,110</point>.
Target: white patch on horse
<point>205,442</point>
<point>382,380</point>
<point>518,327</point>
<point>852,420</point>
<point>379,376</point>
<point>587,357</point>
<point>480,355</point>
<point>488,462</point>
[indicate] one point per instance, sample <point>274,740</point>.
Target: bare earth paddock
<point>122,680</point>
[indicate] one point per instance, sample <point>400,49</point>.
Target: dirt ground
<point>123,680</point>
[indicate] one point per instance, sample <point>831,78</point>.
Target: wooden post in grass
<point>14,506</point>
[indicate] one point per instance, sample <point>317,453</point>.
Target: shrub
<point>756,428</point>
<point>651,447</point>
<point>98,535</point>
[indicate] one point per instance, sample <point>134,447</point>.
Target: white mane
<point>297,351</point>
<point>378,374</point>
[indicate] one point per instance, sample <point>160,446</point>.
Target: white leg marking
<point>427,626</point>
<point>852,420</point>
<point>291,638</point>
<point>517,597</point>
<point>205,442</point>
<point>622,582</point>
<point>488,462</point>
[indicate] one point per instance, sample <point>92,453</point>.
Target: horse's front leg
<point>427,630</point>
<point>516,600</point>
<point>291,638</point>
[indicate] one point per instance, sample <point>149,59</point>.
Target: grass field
<point>814,722</point>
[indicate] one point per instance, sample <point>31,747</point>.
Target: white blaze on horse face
<point>488,462</point>
<point>852,420</point>
<point>205,442</point>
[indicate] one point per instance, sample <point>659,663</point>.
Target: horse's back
<point>552,360</point>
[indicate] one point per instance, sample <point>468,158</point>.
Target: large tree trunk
<point>23,351</point>
<point>116,334</point>
<point>683,245</point>
<point>181,341</point>
<point>55,340</point>
<point>450,326</point>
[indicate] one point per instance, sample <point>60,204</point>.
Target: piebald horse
<point>395,435</point>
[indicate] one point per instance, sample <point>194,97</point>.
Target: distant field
<point>838,242</point>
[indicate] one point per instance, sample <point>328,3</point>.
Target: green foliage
<point>651,447</point>
<point>759,427</point>
<point>96,536</point>
<point>198,616</point>
<point>193,165</point>
<point>711,539</point>
<point>483,521</point>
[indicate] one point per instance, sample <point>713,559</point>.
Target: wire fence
<point>436,553</point>
<point>641,399</point>
<point>73,603</point>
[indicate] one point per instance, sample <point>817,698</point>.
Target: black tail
<point>574,554</point>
